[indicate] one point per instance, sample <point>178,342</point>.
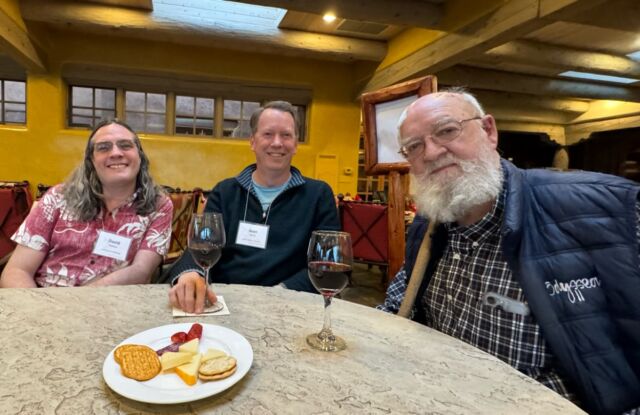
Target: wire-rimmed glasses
<point>442,133</point>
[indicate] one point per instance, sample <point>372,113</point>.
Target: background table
<point>55,340</point>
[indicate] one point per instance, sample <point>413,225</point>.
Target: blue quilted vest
<point>570,241</point>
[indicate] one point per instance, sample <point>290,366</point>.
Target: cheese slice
<point>169,360</point>
<point>190,347</point>
<point>212,354</point>
<point>189,371</point>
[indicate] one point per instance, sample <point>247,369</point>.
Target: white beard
<point>448,200</point>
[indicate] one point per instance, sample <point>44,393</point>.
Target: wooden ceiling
<point>509,52</point>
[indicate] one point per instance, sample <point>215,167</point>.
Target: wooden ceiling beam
<point>193,29</point>
<point>418,13</point>
<point>510,21</point>
<point>526,84</point>
<point>573,107</point>
<point>563,58</point>
<point>555,132</point>
<point>15,41</point>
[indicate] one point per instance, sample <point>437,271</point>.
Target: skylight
<point>635,55</point>
<point>598,77</point>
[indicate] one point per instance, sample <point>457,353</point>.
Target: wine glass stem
<point>326,328</point>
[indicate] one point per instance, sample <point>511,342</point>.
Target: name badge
<point>252,234</point>
<point>112,245</point>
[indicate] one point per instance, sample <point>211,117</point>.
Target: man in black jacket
<point>271,199</point>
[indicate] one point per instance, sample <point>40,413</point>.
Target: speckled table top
<point>55,340</point>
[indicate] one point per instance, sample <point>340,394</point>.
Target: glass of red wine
<point>205,239</point>
<point>329,259</point>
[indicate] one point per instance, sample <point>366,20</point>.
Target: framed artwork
<point>380,113</point>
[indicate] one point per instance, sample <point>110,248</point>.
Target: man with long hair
<point>536,267</point>
<point>108,224</point>
<point>271,196</point>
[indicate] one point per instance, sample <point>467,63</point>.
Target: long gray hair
<point>83,190</point>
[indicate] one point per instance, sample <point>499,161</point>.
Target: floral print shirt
<point>70,242</point>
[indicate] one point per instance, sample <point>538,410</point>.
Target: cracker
<point>222,375</point>
<point>140,363</point>
<point>217,366</point>
<point>117,354</point>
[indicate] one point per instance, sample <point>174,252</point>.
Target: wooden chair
<point>368,225</point>
<point>15,203</point>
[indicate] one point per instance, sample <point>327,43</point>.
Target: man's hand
<point>189,293</point>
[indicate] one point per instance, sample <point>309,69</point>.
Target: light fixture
<point>635,55</point>
<point>329,17</point>
<point>598,77</point>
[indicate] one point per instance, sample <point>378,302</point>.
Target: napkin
<point>218,309</point>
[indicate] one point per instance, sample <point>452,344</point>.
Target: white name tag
<point>112,245</point>
<point>252,234</point>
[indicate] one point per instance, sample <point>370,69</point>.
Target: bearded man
<point>539,268</point>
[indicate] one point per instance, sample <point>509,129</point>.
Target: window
<point>195,115</point>
<point>91,105</point>
<point>145,112</point>
<point>13,102</point>
<point>236,118</point>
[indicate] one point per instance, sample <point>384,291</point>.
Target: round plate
<point>168,388</point>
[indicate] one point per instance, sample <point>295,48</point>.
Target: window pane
<point>82,121</point>
<point>248,108</point>
<point>231,109</point>
<point>184,106</point>
<point>14,113</point>
<point>82,111</point>
<point>134,101</point>
<point>155,123</point>
<point>204,126</point>
<point>81,97</point>
<point>102,115</point>
<point>135,121</point>
<point>14,91</point>
<point>105,98</point>
<point>204,107</point>
<point>156,103</point>
<point>242,130</point>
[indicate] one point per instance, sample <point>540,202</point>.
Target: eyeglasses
<point>107,146</point>
<point>443,132</point>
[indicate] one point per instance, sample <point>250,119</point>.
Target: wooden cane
<point>417,274</point>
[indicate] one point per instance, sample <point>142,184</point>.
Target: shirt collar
<point>244,178</point>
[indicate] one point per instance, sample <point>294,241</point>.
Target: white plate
<point>168,388</point>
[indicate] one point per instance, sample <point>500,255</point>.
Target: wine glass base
<point>326,344</point>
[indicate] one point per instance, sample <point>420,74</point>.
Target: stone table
<point>55,340</point>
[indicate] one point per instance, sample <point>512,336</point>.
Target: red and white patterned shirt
<point>69,242</point>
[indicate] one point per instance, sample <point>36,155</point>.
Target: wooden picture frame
<point>380,113</point>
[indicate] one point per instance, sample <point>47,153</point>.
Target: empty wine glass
<point>205,239</point>
<point>329,259</point>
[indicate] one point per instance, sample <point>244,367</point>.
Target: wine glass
<point>205,239</point>
<point>329,259</point>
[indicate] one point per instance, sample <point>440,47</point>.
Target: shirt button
<point>449,297</point>
<point>475,244</point>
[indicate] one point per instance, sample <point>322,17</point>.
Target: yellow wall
<point>46,150</point>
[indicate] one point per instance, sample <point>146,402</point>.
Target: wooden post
<point>395,224</point>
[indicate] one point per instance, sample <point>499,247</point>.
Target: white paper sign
<point>252,234</point>
<point>112,245</point>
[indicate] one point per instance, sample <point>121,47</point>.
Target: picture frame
<point>380,114</point>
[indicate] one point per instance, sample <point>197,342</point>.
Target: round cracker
<point>217,366</point>
<point>140,363</point>
<point>222,375</point>
<point>117,354</point>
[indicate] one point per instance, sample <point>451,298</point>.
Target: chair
<point>185,203</point>
<point>368,225</point>
<point>15,203</point>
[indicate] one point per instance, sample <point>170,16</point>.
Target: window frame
<point>3,101</point>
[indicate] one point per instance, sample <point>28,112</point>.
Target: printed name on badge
<point>252,234</point>
<point>112,245</point>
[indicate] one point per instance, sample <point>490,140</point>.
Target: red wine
<point>205,255</point>
<point>329,278</point>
